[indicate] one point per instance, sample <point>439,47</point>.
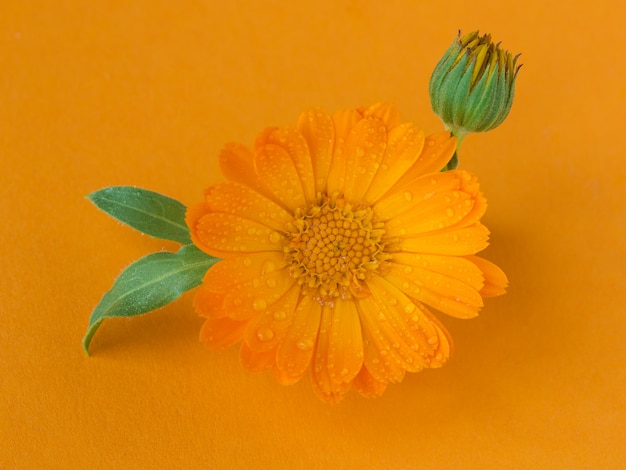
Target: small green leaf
<point>150,283</point>
<point>149,212</point>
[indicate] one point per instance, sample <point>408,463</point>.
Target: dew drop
<point>271,282</point>
<point>408,196</point>
<point>343,372</point>
<point>409,308</point>
<point>450,212</point>
<point>259,304</point>
<point>274,237</point>
<point>265,334</point>
<point>268,267</point>
<point>408,269</point>
<point>455,238</point>
<point>430,142</point>
<point>304,344</point>
<point>432,340</point>
<point>247,262</point>
<point>237,302</point>
<point>279,315</point>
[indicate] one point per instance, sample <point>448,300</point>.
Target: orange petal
<point>318,130</point>
<point>323,372</point>
<point>412,319</point>
<point>432,202</point>
<point>457,242</point>
<point>387,113</point>
<point>235,198</point>
<point>437,152</point>
<point>405,143</point>
<point>226,235</point>
<point>343,122</point>
<point>208,304</point>
<point>367,385</point>
<point>276,169</point>
<point>266,330</point>
<point>292,141</point>
<point>442,292</point>
<point>236,163</point>
<point>225,276</point>
<point>339,350</point>
<point>495,279</point>
<point>255,361</point>
<point>363,152</point>
<point>294,353</point>
<point>257,295</point>
<point>221,333</point>
<point>398,334</point>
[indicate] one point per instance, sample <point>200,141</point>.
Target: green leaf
<point>150,283</point>
<point>149,212</point>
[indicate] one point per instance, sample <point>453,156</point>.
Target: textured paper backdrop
<point>100,93</point>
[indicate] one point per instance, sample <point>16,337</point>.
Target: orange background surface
<point>100,93</point>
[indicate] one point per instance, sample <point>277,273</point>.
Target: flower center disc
<point>332,246</point>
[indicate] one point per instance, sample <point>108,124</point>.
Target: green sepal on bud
<point>472,86</point>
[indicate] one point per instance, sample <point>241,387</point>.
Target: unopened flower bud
<point>472,86</point>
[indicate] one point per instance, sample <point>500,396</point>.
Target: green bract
<point>472,86</point>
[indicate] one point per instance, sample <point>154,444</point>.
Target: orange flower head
<point>337,237</point>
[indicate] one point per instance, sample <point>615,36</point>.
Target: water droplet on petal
<point>408,196</point>
<point>304,344</point>
<point>271,282</point>
<point>279,315</point>
<point>259,304</point>
<point>268,267</point>
<point>450,212</point>
<point>265,334</point>
<point>247,262</point>
<point>274,237</point>
<point>409,308</point>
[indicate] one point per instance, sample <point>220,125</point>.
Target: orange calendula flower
<point>337,237</point>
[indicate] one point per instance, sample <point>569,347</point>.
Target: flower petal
<point>442,292</point>
<point>431,203</point>
<point>364,150</point>
<point>398,333</point>
<point>292,141</point>
<point>256,361</point>
<point>226,235</point>
<point>495,279</point>
<point>339,351</point>
<point>237,164</point>
<point>437,152</point>
<point>405,143</point>
<point>267,329</point>
<point>367,385</point>
<point>235,198</point>
<point>456,267</point>
<point>343,122</point>
<point>243,286</point>
<point>276,169</point>
<point>457,242</point>
<point>318,130</point>
<point>221,333</point>
<point>294,353</point>
<point>387,113</point>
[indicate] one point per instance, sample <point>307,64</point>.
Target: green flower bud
<point>472,86</point>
